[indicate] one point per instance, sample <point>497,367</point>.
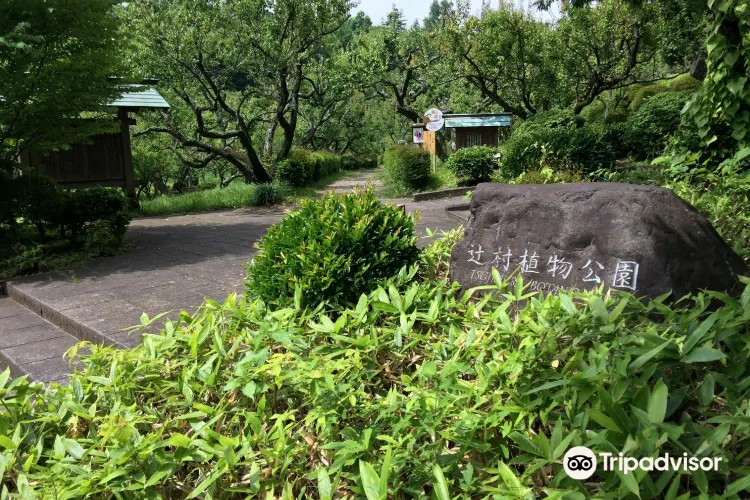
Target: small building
<point>107,160</point>
<point>477,129</point>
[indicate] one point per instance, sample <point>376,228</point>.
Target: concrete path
<point>176,263</point>
<point>358,180</point>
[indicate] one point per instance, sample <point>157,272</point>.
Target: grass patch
<point>236,195</point>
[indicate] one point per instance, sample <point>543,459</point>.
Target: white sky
<point>417,9</point>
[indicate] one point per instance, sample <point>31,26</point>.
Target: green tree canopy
<point>56,60</point>
<point>239,67</point>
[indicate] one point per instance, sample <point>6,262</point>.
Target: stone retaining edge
<point>449,211</point>
<point>443,193</point>
<point>60,320</point>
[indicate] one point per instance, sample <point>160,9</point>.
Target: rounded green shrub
<point>82,207</point>
<point>407,166</point>
<point>648,129</point>
<point>37,200</point>
<point>642,94</point>
<point>684,83</point>
<point>559,148</point>
<point>333,249</point>
<point>472,165</point>
<point>104,236</point>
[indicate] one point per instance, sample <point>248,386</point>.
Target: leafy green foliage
<point>266,194</point>
<point>324,163</point>
<point>404,395</point>
<point>36,200</point>
<point>647,130</point>
<point>303,167</point>
<point>547,175</point>
<point>685,83</point>
<point>644,94</point>
<point>104,236</point>
<point>331,250</point>
<point>355,162</point>
<point>716,122</point>
<point>472,165</point>
<point>408,166</point>
<point>295,171</point>
<point>558,118</point>
<point>56,59</point>
<point>62,220</point>
<point>560,148</point>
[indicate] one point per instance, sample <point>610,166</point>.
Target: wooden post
<point>127,154</point>
<point>429,141</point>
<point>429,145</point>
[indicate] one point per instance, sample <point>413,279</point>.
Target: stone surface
<point>640,239</point>
<point>31,346</point>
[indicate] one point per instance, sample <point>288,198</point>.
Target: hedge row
<point>303,167</point>
<point>98,216</point>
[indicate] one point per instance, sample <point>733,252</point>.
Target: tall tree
<point>398,65</point>
<point>238,66</point>
<point>607,46</point>
<point>507,55</point>
<point>56,58</point>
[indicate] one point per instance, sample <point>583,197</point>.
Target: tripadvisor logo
<point>580,463</point>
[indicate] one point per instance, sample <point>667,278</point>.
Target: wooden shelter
<point>478,129</point>
<point>107,160</point>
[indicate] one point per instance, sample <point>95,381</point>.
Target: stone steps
<point>30,345</point>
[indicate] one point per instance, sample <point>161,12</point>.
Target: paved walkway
<point>177,262</point>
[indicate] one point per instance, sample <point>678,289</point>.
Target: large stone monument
<point>640,239</point>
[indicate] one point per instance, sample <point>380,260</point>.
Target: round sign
<point>433,118</point>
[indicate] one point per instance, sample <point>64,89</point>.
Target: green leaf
<point>645,358</point>
<point>509,478</point>
<point>72,447</point>
<point>657,406</point>
<point>563,446</point>
<point>179,440</point>
<point>703,355</point>
<point>699,332</point>
<point>738,486</point>
<point>706,390</point>
<point>441,485</point>
<point>630,482</point>
<point>370,480</point>
<point>605,421</point>
<point>7,443</point>
<point>324,484</point>
<point>385,471</point>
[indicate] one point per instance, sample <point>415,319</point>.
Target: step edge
<point>57,318</point>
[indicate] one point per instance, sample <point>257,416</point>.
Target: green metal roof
<point>149,97</point>
<point>477,120</point>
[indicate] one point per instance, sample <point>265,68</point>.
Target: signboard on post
<point>433,119</point>
<point>417,131</point>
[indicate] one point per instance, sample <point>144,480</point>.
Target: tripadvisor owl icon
<point>579,462</point>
